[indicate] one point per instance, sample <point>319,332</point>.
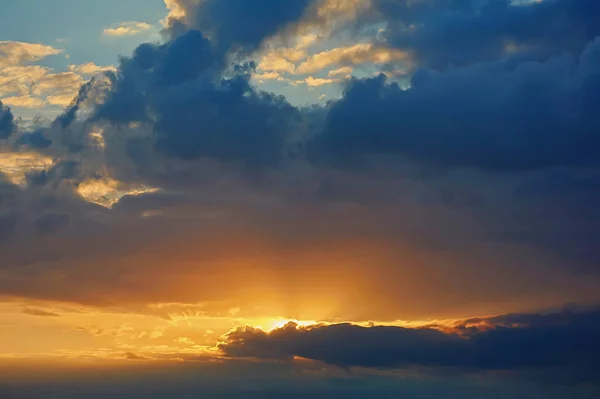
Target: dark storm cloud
<point>245,24</point>
<point>68,116</point>
<point>564,341</point>
<point>460,32</point>
<point>35,139</point>
<point>191,99</point>
<point>7,122</point>
<point>196,103</point>
<point>497,116</point>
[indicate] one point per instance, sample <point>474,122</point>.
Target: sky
<point>299,199</point>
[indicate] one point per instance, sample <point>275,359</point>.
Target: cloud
<point>8,222</point>
<point>128,28</point>
<point>441,33</point>
<point>345,71</point>
<point>241,24</point>
<point>495,116</point>
<point>39,312</point>
<point>36,86</point>
<point>7,122</point>
<point>267,76</point>
<point>49,222</point>
<point>316,82</point>
<point>237,123</point>
<point>353,55</point>
<point>24,101</point>
<point>276,63</point>
<point>21,53</point>
<point>562,341</point>
<point>385,194</point>
<point>287,60</point>
<point>16,165</point>
<point>90,68</point>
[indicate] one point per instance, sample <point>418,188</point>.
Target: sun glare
<point>279,323</point>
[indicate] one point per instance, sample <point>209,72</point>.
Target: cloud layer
<point>462,180</point>
<point>562,343</point>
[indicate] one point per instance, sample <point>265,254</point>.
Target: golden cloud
<point>15,166</point>
<point>128,28</point>
<point>343,71</point>
<point>354,55</point>
<point>90,68</point>
<point>24,101</point>
<point>21,53</point>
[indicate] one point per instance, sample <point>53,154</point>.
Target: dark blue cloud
<point>51,221</point>
<point>243,24</point>
<point>65,119</point>
<point>445,33</point>
<point>564,341</point>
<point>7,122</point>
<point>36,139</point>
<point>497,116</point>
<point>197,101</point>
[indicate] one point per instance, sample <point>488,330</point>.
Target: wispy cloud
<point>39,312</point>
<point>90,68</point>
<point>128,28</point>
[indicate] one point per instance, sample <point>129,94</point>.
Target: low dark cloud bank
<point>459,33</point>
<point>563,344</point>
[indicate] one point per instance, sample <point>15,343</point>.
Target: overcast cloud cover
<point>466,185</point>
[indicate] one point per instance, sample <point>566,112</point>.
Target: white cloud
<point>128,28</point>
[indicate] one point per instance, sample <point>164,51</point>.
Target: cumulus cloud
<point>246,125</point>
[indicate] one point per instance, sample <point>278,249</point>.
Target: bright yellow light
<point>279,323</point>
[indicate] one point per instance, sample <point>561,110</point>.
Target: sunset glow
<point>274,199</point>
